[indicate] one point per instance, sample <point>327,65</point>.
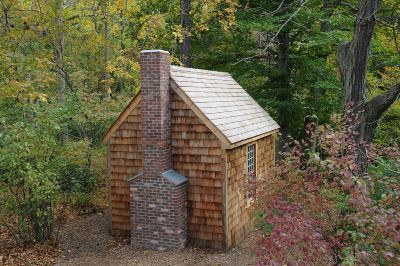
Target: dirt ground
<point>87,242</point>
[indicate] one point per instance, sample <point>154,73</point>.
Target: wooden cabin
<point>181,157</point>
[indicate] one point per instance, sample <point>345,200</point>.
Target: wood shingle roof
<point>222,101</point>
<point>219,101</point>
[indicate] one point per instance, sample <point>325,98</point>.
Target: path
<point>87,242</point>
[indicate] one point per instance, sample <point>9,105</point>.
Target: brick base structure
<point>158,213</point>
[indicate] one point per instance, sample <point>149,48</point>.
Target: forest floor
<point>87,242</point>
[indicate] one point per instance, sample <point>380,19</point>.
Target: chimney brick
<point>152,226</point>
<point>155,111</point>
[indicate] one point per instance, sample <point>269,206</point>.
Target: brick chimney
<point>155,111</point>
<point>158,195</point>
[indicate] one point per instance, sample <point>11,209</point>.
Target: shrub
<point>317,202</point>
<point>76,178</point>
<point>80,200</point>
<point>27,176</point>
<point>76,175</point>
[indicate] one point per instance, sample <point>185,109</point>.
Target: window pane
<point>251,154</point>
<point>250,158</point>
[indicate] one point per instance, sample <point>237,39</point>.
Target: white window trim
<point>250,200</point>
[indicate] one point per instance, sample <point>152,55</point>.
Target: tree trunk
<point>283,86</point>
<point>121,80</point>
<point>107,76</point>
<point>352,60</point>
<point>283,80</point>
<point>60,50</point>
<point>186,26</point>
<point>59,53</point>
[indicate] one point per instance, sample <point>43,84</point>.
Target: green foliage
<point>80,200</point>
<point>250,50</point>
<point>261,223</point>
<point>386,176</point>
<point>27,174</point>
<point>76,178</point>
<point>68,68</point>
<point>340,200</point>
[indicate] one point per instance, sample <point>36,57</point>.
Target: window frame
<point>251,176</point>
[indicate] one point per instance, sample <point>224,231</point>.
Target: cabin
<point>182,158</point>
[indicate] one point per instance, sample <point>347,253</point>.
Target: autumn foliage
<point>319,210</point>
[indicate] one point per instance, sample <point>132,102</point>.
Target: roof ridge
<point>192,69</point>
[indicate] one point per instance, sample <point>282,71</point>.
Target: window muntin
<point>251,155</point>
<point>251,171</point>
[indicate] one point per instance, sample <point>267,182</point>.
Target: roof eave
<point>249,140</point>
<point>121,118</point>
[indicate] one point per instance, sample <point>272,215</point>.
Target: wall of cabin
<point>239,211</point>
<point>196,154</point>
<point>125,160</point>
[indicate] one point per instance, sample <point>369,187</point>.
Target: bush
<point>27,177</point>
<point>83,179</point>
<point>80,200</point>
<point>76,178</point>
<point>76,175</point>
<point>318,204</point>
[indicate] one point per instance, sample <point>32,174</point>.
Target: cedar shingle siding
<point>238,209</point>
<point>182,143</point>
<point>196,154</point>
<point>125,160</point>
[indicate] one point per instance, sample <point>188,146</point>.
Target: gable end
<point>224,141</point>
<point>122,117</point>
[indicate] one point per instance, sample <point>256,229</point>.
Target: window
<point>251,171</point>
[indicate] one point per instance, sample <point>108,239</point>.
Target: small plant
<point>76,178</point>
<point>80,200</point>
<point>261,223</point>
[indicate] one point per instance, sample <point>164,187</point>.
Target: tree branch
<point>275,11</point>
<point>332,5</point>
<point>384,23</point>
<point>349,5</point>
<point>378,105</point>
<point>276,34</point>
<point>64,74</point>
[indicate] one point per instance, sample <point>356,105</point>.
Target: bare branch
<point>276,34</point>
<point>384,23</point>
<point>381,103</point>
<point>275,11</point>
<point>349,5</point>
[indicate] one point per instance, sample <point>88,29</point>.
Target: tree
<point>60,47</point>
<point>278,52</point>
<point>352,59</point>
<point>107,50</point>
<point>186,25</point>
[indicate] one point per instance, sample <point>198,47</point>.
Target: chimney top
<point>154,51</point>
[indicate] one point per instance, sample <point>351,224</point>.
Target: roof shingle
<point>224,103</point>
